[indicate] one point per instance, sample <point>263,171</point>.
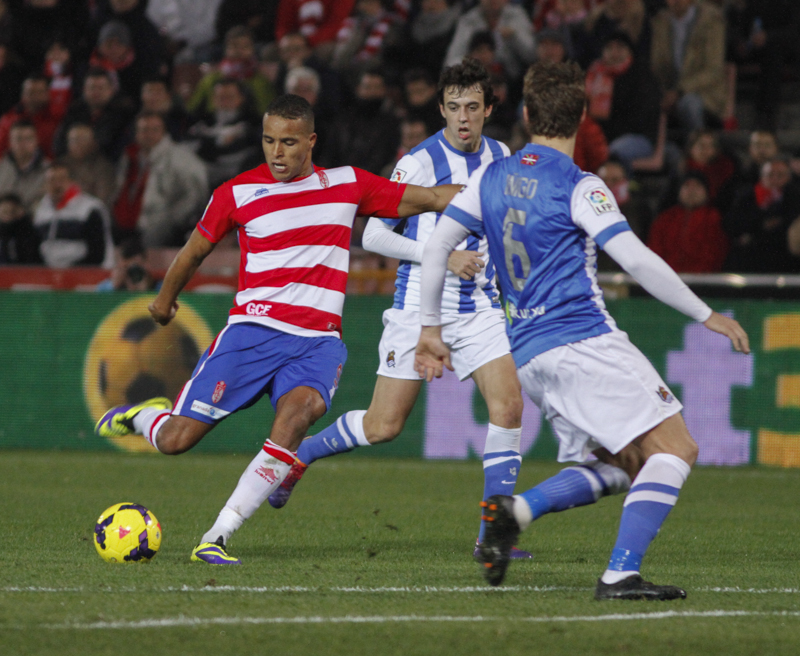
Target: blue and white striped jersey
<point>436,162</point>
<point>544,219</point>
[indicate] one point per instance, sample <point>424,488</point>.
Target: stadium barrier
<point>66,356</point>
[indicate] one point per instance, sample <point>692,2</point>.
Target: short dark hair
<point>482,38</point>
<point>60,163</point>
<point>555,96</point>
<point>293,108</point>
<point>156,79</point>
<point>131,247</point>
<point>96,71</point>
<point>37,77</point>
<point>148,113</point>
<point>23,123</point>
<point>418,75</point>
<point>11,197</point>
<point>238,31</point>
<point>230,81</point>
<point>466,75</point>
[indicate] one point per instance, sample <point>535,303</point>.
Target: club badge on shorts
<point>664,394</point>
<point>390,362</point>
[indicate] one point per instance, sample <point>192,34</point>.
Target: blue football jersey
<point>544,218</point>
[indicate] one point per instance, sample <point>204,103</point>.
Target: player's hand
<point>432,354</point>
<point>723,325</point>
<point>465,264</point>
<point>161,315</point>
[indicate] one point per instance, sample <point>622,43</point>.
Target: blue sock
<point>345,434</point>
<point>501,463</point>
<point>571,487</point>
<point>653,494</point>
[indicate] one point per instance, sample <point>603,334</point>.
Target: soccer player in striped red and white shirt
<point>283,337</point>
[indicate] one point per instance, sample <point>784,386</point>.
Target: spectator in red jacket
<point>317,20</point>
<point>689,235</point>
<point>591,147</point>
<point>34,106</point>
<point>705,156</point>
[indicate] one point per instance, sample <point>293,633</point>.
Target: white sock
<point>522,512</point>
<point>502,439</point>
<point>149,421</point>
<point>610,576</point>
<point>261,478</point>
<point>355,422</point>
<point>228,522</point>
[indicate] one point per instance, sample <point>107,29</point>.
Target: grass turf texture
<point>355,527</point>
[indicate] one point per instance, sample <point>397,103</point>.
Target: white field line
<point>182,621</point>
<point>428,589</point>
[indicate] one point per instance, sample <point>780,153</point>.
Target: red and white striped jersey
<point>294,239</point>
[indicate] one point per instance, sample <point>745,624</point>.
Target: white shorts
<point>474,339</point>
<point>599,392</point>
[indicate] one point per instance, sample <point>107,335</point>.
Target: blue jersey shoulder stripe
<point>611,231</point>
<point>497,151</point>
<point>441,167</point>
<point>433,139</point>
<point>465,219</point>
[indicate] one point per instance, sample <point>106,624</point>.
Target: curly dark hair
<point>292,107</point>
<point>466,75</point>
<point>555,96</point>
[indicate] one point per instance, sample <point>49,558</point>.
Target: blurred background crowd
<point>118,118</point>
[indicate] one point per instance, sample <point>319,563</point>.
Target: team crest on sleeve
<point>600,201</point>
<point>219,390</point>
<point>398,175</point>
<point>530,159</point>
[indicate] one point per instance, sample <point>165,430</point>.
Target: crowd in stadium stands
<point>118,118</point>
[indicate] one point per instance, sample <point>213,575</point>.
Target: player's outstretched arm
<point>183,267</point>
<point>380,238</point>
<point>658,278</point>
<point>723,325</point>
<point>417,200</point>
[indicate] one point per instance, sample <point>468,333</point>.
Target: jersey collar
<point>455,150</point>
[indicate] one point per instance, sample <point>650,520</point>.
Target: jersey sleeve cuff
<point>604,236</point>
<point>206,233</point>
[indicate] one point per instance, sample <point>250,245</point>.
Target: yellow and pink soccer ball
<point>127,533</point>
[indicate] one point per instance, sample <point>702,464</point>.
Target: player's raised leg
<point>153,419</point>
<point>392,402</point>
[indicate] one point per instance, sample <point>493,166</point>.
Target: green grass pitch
<point>373,556</point>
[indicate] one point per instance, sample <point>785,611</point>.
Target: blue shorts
<point>248,360</point>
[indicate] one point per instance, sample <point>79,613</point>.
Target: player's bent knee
<point>383,432</point>
<point>507,412</point>
<point>176,437</point>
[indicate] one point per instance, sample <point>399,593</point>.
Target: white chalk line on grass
<point>427,589</point>
<point>182,621</point>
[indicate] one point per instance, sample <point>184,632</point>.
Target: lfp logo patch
<point>398,175</point>
<point>600,201</point>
